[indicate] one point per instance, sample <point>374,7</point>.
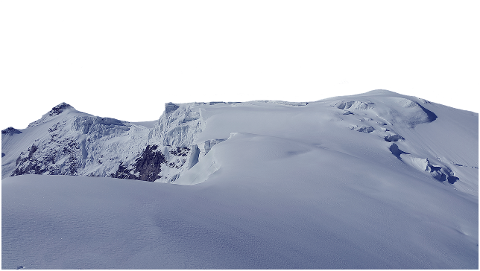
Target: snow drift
<point>376,180</point>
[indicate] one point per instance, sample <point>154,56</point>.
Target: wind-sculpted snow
<point>439,171</point>
<point>69,142</point>
<point>282,103</point>
<point>376,180</point>
<point>354,105</point>
<point>177,127</point>
<point>207,145</point>
<point>99,126</point>
<point>405,111</point>
<point>396,110</point>
<point>276,203</point>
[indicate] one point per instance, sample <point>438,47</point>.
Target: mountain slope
<point>67,142</point>
<point>376,180</point>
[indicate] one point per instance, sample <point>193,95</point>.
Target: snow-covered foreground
<point>377,180</point>
<point>291,219</point>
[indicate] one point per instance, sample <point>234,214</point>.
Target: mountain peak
<point>10,131</point>
<point>57,110</point>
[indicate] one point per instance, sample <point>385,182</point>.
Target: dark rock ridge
<point>393,138</point>
<point>180,151</point>
<point>170,107</point>
<point>57,110</point>
<point>10,131</point>
<point>148,165</point>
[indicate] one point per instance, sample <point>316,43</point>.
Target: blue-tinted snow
<point>275,186</point>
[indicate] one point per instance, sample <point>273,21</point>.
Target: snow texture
<point>368,181</point>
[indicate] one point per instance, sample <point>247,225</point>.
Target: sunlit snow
<point>375,180</point>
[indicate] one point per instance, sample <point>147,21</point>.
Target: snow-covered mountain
<point>375,180</point>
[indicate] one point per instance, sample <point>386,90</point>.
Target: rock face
<point>10,131</point>
<point>46,162</point>
<point>146,167</point>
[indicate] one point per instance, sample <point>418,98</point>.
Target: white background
<point>126,59</point>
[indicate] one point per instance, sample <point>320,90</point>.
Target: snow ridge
<point>76,143</point>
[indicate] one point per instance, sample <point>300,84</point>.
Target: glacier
<point>367,181</point>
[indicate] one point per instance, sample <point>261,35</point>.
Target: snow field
<point>348,182</point>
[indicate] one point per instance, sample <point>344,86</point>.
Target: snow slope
<point>376,180</point>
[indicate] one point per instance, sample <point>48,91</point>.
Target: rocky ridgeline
<point>70,142</point>
<point>57,110</point>
<point>10,131</point>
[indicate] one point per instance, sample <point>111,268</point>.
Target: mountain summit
<point>57,110</point>
<point>374,180</point>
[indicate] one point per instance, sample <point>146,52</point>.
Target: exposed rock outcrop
<point>10,131</point>
<point>170,107</point>
<point>147,166</point>
<point>59,109</point>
